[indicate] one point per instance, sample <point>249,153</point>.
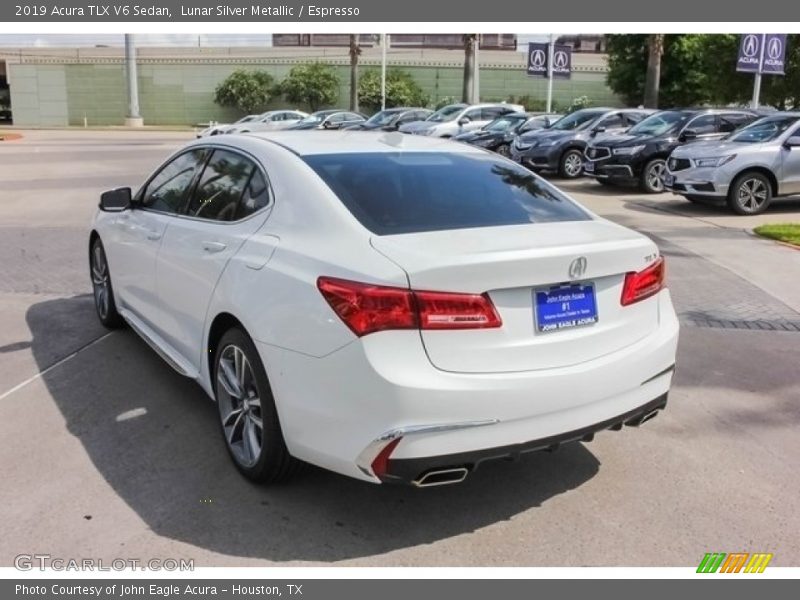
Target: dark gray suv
<point>560,147</point>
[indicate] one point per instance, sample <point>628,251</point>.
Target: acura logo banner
<point>538,54</point>
<point>762,53</point>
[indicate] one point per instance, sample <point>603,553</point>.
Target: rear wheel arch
<point>92,237</point>
<point>223,322</point>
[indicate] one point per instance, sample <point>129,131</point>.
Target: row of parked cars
<point>711,156</point>
<point>736,156</point>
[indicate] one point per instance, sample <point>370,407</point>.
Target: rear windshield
<point>408,192</point>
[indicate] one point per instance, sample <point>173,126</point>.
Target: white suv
<point>455,119</point>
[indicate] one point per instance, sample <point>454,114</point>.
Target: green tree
<point>401,90</point>
<point>728,86</point>
<point>314,85</point>
<point>698,69</point>
<point>468,88</point>
<point>245,90</point>
<point>652,82</point>
<point>682,74</point>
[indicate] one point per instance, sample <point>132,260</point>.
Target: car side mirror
<point>793,142</point>
<point>598,129</point>
<point>464,120</point>
<point>116,200</point>
<point>689,135</point>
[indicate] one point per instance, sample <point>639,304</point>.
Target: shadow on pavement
<point>153,436</point>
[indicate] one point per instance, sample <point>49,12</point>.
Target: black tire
<point>272,462</point>
<point>652,178</point>
<point>102,289</point>
<point>568,164</point>
<point>504,150</point>
<point>750,193</point>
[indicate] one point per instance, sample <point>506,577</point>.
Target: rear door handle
<point>213,247</point>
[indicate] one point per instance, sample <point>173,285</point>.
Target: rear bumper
<point>341,410</point>
<point>418,471</point>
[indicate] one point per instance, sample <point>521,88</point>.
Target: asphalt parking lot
<point>106,452</point>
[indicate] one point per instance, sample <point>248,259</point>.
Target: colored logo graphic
<point>750,46</point>
<point>736,562</point>
<point>538,58</point>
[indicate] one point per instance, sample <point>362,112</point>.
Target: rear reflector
<point>381,463</point>
<point>366,308</point>
<point>644,284</point>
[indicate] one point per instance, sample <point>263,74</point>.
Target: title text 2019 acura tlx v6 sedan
<point>393,308</point>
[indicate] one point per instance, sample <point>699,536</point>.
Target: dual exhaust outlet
<point>437,477</point>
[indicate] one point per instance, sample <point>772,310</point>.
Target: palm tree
<point>355,50</point>
<point>655,49</point>
<point>468,91</point>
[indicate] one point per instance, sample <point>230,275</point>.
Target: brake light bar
<point>366,308</point>
<point>644,284</point>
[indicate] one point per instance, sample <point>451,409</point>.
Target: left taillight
<point>644,284</point>
<point>367,308</point>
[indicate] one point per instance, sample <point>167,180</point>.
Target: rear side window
<point>729,122</point>
<point>166,191</point>
<point>256,196</point>
<point>221,187</point>
<point>408,192</point>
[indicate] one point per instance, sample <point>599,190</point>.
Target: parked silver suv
<point>747,169</point>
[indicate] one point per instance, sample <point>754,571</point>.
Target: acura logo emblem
<point>538,58</point>
<point>750,46</point>
<point>560,59</point>
<point>577,268</point>
<point>774,48</point>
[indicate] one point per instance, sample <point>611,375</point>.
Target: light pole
<point>133,119</point>
<point>384,43</point>
<point>476,80</point>
<point>550,73</point>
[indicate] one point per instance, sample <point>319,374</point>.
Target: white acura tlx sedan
<point>393,308</point>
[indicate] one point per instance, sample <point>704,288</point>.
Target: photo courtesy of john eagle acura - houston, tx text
<point>462,310</point>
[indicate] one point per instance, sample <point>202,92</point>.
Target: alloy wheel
<point>240,406</point>
<point>101,283</point>
<point>752,194</point>
<point>655,176</point>
<point>504,150</point>
<point>573,164</point>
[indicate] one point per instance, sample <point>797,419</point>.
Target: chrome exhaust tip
<point>441,477</point>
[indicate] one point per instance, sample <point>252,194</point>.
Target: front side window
<point>704,125</point>
<point>611,121</point>
<point>576,121</point>
<point>660,123</point>
<point>447,113</point>
<point>435,191</point>
<point>221,187</point>
<point>167,190</point>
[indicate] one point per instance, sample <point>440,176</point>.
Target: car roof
<point>307,143</point>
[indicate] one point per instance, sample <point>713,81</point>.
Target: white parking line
<point>58,363</point>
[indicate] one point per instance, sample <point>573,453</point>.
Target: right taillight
<point>366,308</point>
<point>644,284</point>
